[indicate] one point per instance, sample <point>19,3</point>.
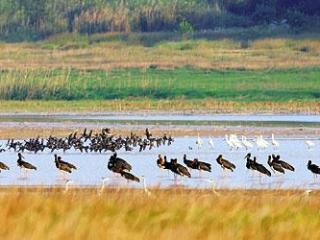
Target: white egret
<point>246,143</point>
<point>103,183</point>
<point>211,143</point>
<point>67,184</point>
<point>310,144</point>
<point>199,141</point>
<point>274,142</point>
<point>145,189</point>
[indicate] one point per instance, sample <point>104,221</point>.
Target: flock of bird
<point>89,142</point>
<point>275,163</point>
<point>123,168</point>
<point>105,141</point>
<point>236,143</point>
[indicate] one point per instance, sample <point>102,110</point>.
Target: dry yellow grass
<point>166,214</point>
<point>175,105</point>
<point>218,54</point>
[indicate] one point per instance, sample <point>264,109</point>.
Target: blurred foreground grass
<point>166,214</point>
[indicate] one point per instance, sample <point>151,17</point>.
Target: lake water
<point>168,119</point>
<point>92,167</point>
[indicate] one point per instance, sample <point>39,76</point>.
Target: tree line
<point>37,19</point>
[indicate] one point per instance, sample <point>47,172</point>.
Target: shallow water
<point>170,119</point>
<point>92,167</point>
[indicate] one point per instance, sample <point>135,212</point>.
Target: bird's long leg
<point>224,173</point>
<point>60,175</point>
<point>260,179</point>
<point>175,179</point>
<point>65,175</point>
<point>25,173</point>
<point>213,188</point>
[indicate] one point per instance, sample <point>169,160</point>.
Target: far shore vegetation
<point>216,56</point>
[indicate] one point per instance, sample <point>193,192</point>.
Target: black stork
<point>62,165</point>
<point>249,164</point>
<point>3,166</point>
<point>118,165</point>
<point>121,166</point>
<point>225,164</point>
<point>129,176</point>
<point>163,163</point>
<point>283,163</point>
<point>196,164</point>
<point>23,164</point>
<point>274,165</point>
<point>260,168</point>
<point>179,169</point>
<point>315,169</point>
<point>254,165</point>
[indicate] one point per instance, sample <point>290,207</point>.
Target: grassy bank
<point>188,106</point>
<point>234,70</point>
<point>166,214</point>
<point>257,48</point>
<point>229,85</point>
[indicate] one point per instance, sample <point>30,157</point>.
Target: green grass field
<point>182,83</point>
<point>235,70</point>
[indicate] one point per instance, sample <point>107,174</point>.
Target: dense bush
<point>34,19</point>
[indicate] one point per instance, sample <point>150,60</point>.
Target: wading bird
<point>196,164</point>
<point>260,168</point>
<point>246,143</point>
<point>62,165</point>
<point>274,142</point>
<point>117,165</point>
<point>103,183</point>
<point>249,164</point>
<point>129,176</point>
<point>310,144</point>
<point>235,141</point>
<point>283,163</point>
<point>315,169</point>
<point>229,142</point>
<point>261,143</point>
<point>145,189</point>
<point>3,166</point>
<point>179,169</point>
<point>254,165</point>
<point>225,164</point>
<point>199,141</point>
<point>24,164</point>
<point>211,143</point>
<point>274,165</point>
<point>163,163</point>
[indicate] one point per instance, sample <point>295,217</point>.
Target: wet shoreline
<point>23,125</point>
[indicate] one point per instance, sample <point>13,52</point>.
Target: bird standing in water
<point>24,165</point>
<point>225,164</point>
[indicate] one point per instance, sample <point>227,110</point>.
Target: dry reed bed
<point>166,214</point>
<point>217,54</point>
<point>148,105</point>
